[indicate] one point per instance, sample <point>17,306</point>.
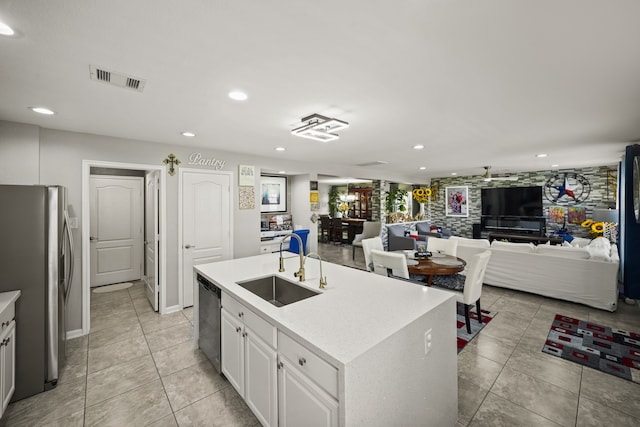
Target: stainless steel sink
<point>276,290</point>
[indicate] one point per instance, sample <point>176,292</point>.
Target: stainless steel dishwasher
<point>209,320</point>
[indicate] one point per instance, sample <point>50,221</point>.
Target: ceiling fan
<point>488,178</point>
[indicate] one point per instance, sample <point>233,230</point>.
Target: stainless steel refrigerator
<point>36,256</point>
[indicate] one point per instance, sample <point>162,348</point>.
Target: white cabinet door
<point>261,387</point>
<point>8,364</point>
<point>301,402</point>
<point>232,351</point>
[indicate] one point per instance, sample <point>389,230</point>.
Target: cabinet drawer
<point>324,374</point>
<point>257,324</point>
<point>7,316</point>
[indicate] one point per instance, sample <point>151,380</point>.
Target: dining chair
<point>369,229</point>
<point>325,228</point>
<point>367,246</point>
<point>445,246</point>
<point>472,291</point>
<point>385,261</point>
<point>338,230</point>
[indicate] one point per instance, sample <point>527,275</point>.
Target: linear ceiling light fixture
<point>320,128</point>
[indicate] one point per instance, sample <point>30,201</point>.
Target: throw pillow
<point>599,253</point>
<point>580,242</point>
<point>601,242</point>
<point>615,257</point>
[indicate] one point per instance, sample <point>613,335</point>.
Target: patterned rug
<point>463,337</point>
<point>613,351</point>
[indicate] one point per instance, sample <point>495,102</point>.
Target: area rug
<point>609,350</point>
<point>112,288</point>
<point>463,337</point>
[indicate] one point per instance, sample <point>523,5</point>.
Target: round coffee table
<point>438,265</point>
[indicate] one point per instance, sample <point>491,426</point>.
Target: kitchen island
<point>367,350</point>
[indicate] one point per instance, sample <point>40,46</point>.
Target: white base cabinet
<point>8,364</point>
<point>248,361</point>
<point>301,401</point>
<point>7,347</point>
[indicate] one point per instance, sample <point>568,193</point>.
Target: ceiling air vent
<point>116,79</point>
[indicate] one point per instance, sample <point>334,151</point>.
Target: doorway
<point>160,249</point>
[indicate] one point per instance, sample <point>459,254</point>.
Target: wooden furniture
<point>361,207</point>
<point>338,229</point>
<point>325,228</point>
<point>354,226</point>
<point>442,265</point>
<point>524,238</point>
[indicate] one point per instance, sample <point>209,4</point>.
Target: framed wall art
<point>273,193</point>
<point>246,175</point>
<point>456,201</point>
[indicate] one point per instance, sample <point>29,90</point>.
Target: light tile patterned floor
<point>135,368</point>
<point>139,368</point>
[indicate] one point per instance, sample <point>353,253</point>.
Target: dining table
<point>436,264</point>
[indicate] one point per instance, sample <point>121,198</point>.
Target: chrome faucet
<point>323,280</point>
<point>300,273</point>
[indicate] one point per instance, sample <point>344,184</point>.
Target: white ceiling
<point>490,82</point>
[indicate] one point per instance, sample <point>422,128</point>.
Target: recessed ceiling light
<point>418,147</point>
<point>422,168</point>
<point>6,30</point>
<point>188,134</point>
<point>554,166</point>
<point>42,110</point>
<point>282,171</point>
<point>279,148</point>
<point>238,95</point>
<point>454,173</point>
<point>541,155</point>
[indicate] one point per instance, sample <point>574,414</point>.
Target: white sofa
<point>583,275</point>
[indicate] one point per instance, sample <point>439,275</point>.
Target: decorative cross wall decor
<point>172,161</point>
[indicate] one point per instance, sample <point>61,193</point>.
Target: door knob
<point>189,247</point>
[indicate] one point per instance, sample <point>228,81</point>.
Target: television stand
<point>524,238</point>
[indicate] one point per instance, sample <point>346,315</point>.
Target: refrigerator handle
<point>69,278</point>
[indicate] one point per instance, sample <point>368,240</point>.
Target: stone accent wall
<point>602,196</point>
<point>376,201</point>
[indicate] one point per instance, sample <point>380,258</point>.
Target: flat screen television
<point>512,201</point>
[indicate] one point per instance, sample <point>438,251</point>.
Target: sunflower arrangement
<point>421,195</point>
<point>596,229</point>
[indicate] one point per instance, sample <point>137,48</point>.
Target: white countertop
<point>356,311</point>
<point>8,298</point>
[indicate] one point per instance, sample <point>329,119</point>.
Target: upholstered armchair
<point>396,240</point>
<point>369,229</point>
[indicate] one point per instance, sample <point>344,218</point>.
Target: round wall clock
<point>567,187</point>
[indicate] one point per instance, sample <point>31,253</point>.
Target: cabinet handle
<point>240,314</point>
<point>5,324</point>
<point>302,361</point>
<point>244,334</point>
<point>280,365</point>
<point>238,329</point>
<point>8,340</point>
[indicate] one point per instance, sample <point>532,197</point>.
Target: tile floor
<point>135,368</point>
<point>139,368</point>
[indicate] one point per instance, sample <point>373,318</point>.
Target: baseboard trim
<point>76,333</point>
<point>172,309</point>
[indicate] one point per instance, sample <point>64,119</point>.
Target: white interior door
<point>116,229</point>
<point>206,223</point>
<point>151,236</point>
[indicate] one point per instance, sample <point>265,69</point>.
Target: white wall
<point>301,209</point>
<point>19,145</point>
